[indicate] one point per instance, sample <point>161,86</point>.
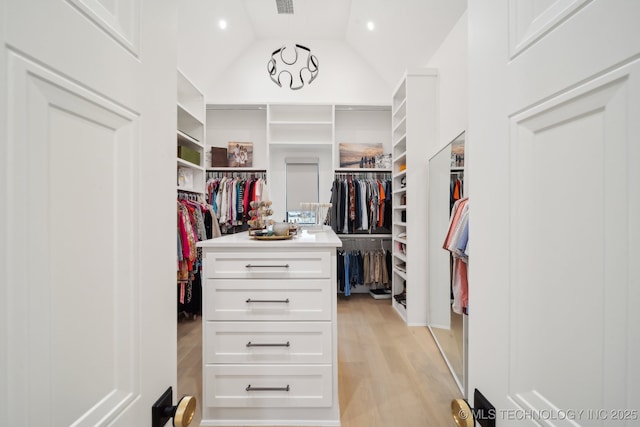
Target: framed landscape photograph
<point>360,156</point>
<point>240,154</point>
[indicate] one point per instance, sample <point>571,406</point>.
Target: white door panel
<point>73,38</point>
<point>120,19</point>
<point>75,271</point>
<point>88,256</point>
<point>530,20</point>
<point>553,172</point>
<point>585,43</point>
<point>569,245</point>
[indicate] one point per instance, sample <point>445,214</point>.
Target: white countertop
<point>305,239</point>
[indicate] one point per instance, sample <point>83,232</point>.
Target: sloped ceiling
<point>406,33</point>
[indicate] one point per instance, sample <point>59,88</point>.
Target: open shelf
<point>190,134</point>
<point>414,129</point>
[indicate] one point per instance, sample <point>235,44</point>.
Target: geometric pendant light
<point>299,72</point>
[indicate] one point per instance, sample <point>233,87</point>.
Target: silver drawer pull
<point>249,388</point>
<point>284,301</point>
<point>250,344</point>
<point>267,266</point>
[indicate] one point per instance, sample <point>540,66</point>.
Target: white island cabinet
<point>269,332</point>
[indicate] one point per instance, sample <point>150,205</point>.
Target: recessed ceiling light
<point>222,24</point>
<point>371,25</point>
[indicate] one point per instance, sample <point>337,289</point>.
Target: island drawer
<point>268,342</point>
<point>269,386</point>
<point>285,265</point>
<point>294,299</point>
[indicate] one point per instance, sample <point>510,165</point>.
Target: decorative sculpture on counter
<point>278,65</point>
<point>260,214</point>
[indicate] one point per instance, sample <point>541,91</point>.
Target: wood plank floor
<point>389,374</point>
<point>190,363</point>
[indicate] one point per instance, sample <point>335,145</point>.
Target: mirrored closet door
<point>448,327</point>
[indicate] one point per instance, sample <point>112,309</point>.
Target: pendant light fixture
<point>307,68</point>
<point>300,72</point>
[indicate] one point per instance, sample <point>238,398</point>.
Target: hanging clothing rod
<point>196,197</point>
<point>246,174</point>
<point>223,169</point>
<point>359,237</point>
<point>364,174</point>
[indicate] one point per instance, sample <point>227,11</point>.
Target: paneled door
<point>87,316</point>
<point>554,173</point>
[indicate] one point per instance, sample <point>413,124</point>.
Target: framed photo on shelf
<point>363,156</point>
<point>240,154</point>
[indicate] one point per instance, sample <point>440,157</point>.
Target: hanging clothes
<point>363,268</point>
<point>456,189</point>
<point>360,204</point>
<point>231,196</point>
<point>456,242</point>
<point>196,221</point>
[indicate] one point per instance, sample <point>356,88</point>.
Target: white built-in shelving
<point>414,128</point>
<point>284,131</point>
<point>299,132</point>
<point>190,135</point>
<point>300,124</point>
<point>228,123</point>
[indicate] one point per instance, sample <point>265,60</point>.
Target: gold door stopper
<point>462,413</point>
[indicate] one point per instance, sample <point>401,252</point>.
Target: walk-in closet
<point>351,179</point>
<point>358,172</point>
<point>348,213</point>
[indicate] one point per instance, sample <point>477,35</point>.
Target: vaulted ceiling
<point>405,33</point>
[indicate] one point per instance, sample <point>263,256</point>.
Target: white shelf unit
<point>414,129</point>
<point>238,123</point>
<point>280,131</point>
<point>369,125</point>
<point>300,124</point>
<point>190,134</point>
<point>303,131</point>
<point>362,124</point>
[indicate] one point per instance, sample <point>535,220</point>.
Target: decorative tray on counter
<point>273,237</point>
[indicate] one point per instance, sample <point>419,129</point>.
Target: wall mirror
<point>446,169</point>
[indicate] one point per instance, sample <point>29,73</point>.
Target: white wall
<point>451,62</point>
<point>343,78</point>
<point>204,50</point>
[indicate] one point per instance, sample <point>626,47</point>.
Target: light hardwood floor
<point>388,374</point>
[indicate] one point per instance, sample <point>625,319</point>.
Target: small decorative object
<point>260,214</point>
<point>281,228</point>
<point>185,178</point>
<point>267,236</point>
<point>383,161</point>
<point>218,157</point>
<point>307,68</point>
<point>240,154</point>
<point>189,154</point>
<point>360,156</point>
